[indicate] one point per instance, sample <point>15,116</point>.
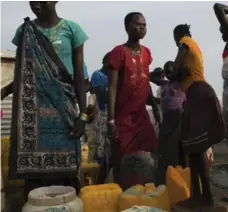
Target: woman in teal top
<point>46,127</point>
<point>64,36</point>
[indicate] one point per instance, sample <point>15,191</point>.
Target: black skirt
<point>203,123</point>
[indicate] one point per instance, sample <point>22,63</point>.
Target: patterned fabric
<point>65,37</point>
<point>225,84</point>
<point>100,141</point>
<point>134,128</point>
<point>172,97</point>
<point>193,61</point>
<point>44,110</point>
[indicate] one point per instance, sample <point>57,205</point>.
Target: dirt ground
<point>218,194</point>
<point>220,160</point>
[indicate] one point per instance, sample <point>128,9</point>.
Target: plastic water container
<point>101,198</point>
<point>148,195</point>
<point>53,199</point>
<point>144,209</point>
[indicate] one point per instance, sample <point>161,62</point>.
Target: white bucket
<point>53,198</point>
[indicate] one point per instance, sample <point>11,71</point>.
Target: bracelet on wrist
<point>111,122</point>
<point>84,117</point>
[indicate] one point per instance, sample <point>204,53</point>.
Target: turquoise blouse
<point>65,37</point>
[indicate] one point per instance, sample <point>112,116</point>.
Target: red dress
<point>134,129</point>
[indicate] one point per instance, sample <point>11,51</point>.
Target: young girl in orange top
<point>203,123</point>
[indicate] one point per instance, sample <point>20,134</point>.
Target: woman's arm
<point>179,61</point>
<point>115,66</point>
<point>91,108</point>
<point>92,101</point>
<point>221,12</point>
<point>112,90</point>
<point>151,101</point>
<point>79,80</point>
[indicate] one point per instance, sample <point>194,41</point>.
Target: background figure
<point>47,153</point>
<point>156,77</point>
<point>203,124</point>
<point>92,109</point>
<point>99,83</point>
<point>221,12</point>
<point>129,125</point>
<point>172,100</point>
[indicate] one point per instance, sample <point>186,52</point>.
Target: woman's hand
<point>78,129</point>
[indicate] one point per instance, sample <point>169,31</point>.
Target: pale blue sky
<point>103,22</point>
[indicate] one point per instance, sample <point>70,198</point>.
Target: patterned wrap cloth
<point>44,111</point>
<point>101,143</point>
<point>99,80</point>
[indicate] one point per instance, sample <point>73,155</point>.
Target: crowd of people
<point>51,80</point>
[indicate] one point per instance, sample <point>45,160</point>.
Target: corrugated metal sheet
<point>7,75</point>
<point>6,106</point>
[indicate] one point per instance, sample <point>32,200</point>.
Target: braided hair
<point>182,30</point>
<point>128,18</point>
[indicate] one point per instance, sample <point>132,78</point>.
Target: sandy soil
<point>220,160</point>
